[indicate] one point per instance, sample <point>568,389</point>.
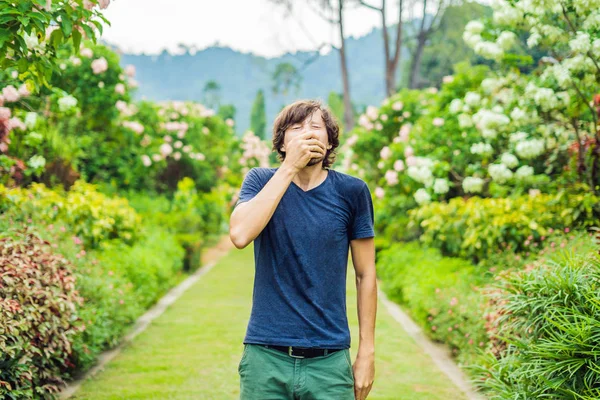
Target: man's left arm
<point>363,259</point>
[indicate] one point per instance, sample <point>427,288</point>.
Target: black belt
<point>301,352</point>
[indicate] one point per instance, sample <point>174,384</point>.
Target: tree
<point>258,118</point>
<point>332,11</point>
<point>285,77</point>
<point>391,60</point>
<point>427,26</point>
<point>32,32</point>
<point>212,94</point>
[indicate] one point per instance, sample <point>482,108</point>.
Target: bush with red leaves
<point>37,316</point>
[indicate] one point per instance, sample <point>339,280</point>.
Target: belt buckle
<point>290,353</point>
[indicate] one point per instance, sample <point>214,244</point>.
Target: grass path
<point>192,350</point>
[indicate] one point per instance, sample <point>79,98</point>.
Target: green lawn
<point>192,351</point>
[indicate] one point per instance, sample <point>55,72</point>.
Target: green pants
<point>269,374</point>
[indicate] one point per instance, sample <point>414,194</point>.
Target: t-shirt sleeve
<point>363,219</point>
<point>250,186</point>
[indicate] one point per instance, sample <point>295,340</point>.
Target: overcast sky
<point>256,26</point>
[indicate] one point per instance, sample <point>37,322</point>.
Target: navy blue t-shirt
<point>301,259</point>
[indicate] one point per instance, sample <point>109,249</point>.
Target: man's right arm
<point>249,218</point>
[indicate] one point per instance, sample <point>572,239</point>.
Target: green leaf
<point>56,38</point>
<point>24,20</point>
<point>4,36</point>
<point>99,26</point>
<point>65,24</point>
<point>76,38</point>
<point>88,31</point>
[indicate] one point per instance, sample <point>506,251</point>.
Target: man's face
<point>312,123</point>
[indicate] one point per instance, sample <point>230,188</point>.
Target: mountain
<point>241,75</point>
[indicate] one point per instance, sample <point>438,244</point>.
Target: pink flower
<point>437,290</point>
<point>5,114</point>
<point>165,149</point>
<point>448,79</point>
<point>434,328</point>
<point>103,4</point>
<point>385,152</point>
<point>63,229</point>
<point>120,88</point>
<point>449,329</point>
<point>99,65</point>
<point>399,165</point>
<point>85,52</point>
<point>379,192</point>
<point>130,71</point>
<point>438,122</point>
<point>1,100</point>
<point>23,91</point>
<point>88,5</point>
<point>121,106</point>
<point>110,273</point>
<point>146,160</point>
<point>412,161</point>
<point>408,152</point>
<point>397,106</point>
<point>15,123</point>
<point>454,301</point>
<point>77,240</point>
<point>121,301</point>
<point>10,94</point>
<point>391,177</point>
<point>567,230</point>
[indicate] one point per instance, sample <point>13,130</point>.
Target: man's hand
<point>364,375</point>
<point>301,149</point>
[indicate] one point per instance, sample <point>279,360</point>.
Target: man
<point>303,217</point>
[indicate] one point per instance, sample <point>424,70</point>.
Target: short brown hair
<point>297,112</point>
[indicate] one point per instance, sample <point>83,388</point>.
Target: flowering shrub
<point>91,216</point>
<point>38,317</point>
<point>476,228</point>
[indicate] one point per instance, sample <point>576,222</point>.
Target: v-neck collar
<point>316,187</point>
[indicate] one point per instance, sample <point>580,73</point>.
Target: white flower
<point>32,42</point>
<point>30,120</point>
<point>474,27</point>
<point>422,197</point>
<point>518,115</point>
<point>533,39</point>
<point>482,148</point>
<point>440,186</point>
<point>530,148</point>
<point>472,184</point>
<point>524,171</point>
<point>379,192</point>
<point>448,79</point>
<point>506,39</point>
<point>120,88</point>
<point>465,121</point>
<point>146,160</point>
<point>421,174</point>
<point>455,106</point>
<point>510,160</point>
<point>66,103</point>
<point>472,99</point>
<point>36,162</point>
<point>489,50</point>
<point>518,136</point>
<point>134,126</point>
<point>581,44</point>
<point>499,172</point>
<point>471,39</point>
